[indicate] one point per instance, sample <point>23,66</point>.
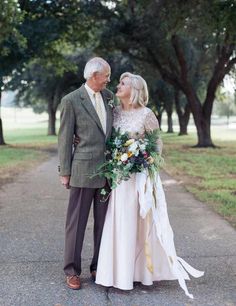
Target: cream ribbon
<point>149,195</point>
<point>147,250</point>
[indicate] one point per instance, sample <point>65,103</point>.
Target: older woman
<point>137,241</point>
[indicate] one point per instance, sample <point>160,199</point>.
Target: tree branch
<point>180,57</point>
<point>168,76</point>
<point>173,66</point>
<point>222,67</point>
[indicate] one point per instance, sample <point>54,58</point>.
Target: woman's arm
<point>151,124</point>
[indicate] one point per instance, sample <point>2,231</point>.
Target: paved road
<point>32,216</point>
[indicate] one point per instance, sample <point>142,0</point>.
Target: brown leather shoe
<point>93,275</point>
<point>73,282</point>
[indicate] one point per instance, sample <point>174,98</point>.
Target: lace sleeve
<point>151,123</point>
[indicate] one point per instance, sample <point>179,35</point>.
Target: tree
<point>191,45</point>
<point>183,111</point>
<point>43,87</point>
<point>165,97</point>
<point>220,48</point>
<point>11,43</point>
<point>30,39</point>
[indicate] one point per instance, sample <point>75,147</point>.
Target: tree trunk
<point>159,118</point>
<point>51,119</point>
<point>183,115</point>
<point>169,122</point>
<point>227,119</point>
<point>204,133</point>
<point>183,126</point>
<point>202,120</point>
<point>2,142</point>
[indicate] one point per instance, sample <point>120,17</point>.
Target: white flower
<point>133,147</point>
<point>111,103</point>
<point>117,142</point>
<point>124,157</point>
<point>142,147</point>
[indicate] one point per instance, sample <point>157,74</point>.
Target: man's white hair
<point>96,64</point>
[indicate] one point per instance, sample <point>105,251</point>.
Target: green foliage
<point>42,85</point>
<point>10,17</point>
<point>12,41</point>
<point>70,27</point>
<point>51,63</point>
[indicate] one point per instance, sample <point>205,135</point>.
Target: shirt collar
<point>90,91</point>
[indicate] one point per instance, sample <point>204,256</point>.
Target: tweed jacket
<point>79,117</point>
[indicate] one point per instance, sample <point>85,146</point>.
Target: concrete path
<point>32,217</point>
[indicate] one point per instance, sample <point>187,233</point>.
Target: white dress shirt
<point>99,98</point>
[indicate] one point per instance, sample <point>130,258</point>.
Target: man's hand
<point>65,181</point>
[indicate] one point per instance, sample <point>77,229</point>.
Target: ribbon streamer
<point>152,202</point>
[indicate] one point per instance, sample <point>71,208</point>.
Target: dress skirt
<point>137,242</point>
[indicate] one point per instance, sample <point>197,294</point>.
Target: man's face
<point>101,79</point>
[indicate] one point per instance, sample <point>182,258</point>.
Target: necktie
<point>100,111</point>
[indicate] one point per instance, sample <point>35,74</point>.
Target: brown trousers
<point>77,216</point>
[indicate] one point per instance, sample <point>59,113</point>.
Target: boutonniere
<point>111,103</point>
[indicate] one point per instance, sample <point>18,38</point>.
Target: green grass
<point>13,155</point>
<point>25,148</point>
<point>210,174</point>
<point>29,136</point>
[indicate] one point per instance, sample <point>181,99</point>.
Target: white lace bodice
<point>139,120</point>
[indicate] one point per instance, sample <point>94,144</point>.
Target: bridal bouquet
<point>126,155</point>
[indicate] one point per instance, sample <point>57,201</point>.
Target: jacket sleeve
<point>65,137</point>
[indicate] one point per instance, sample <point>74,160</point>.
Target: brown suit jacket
<point>79,117</point>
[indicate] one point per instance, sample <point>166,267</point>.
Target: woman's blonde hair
<point>139,90</point>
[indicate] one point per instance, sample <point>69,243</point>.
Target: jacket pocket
<point>83,155</point>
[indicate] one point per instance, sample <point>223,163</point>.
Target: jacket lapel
<point>109,112</point>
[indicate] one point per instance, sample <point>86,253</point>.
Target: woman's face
<point>124,89</point>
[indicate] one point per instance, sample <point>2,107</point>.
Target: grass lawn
<point>25,148</point>
<point>34,136</point>
<point>210,174</point>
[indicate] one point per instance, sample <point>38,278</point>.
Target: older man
<point>86,114</point>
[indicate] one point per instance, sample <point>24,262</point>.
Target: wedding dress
<point>137,243</point>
